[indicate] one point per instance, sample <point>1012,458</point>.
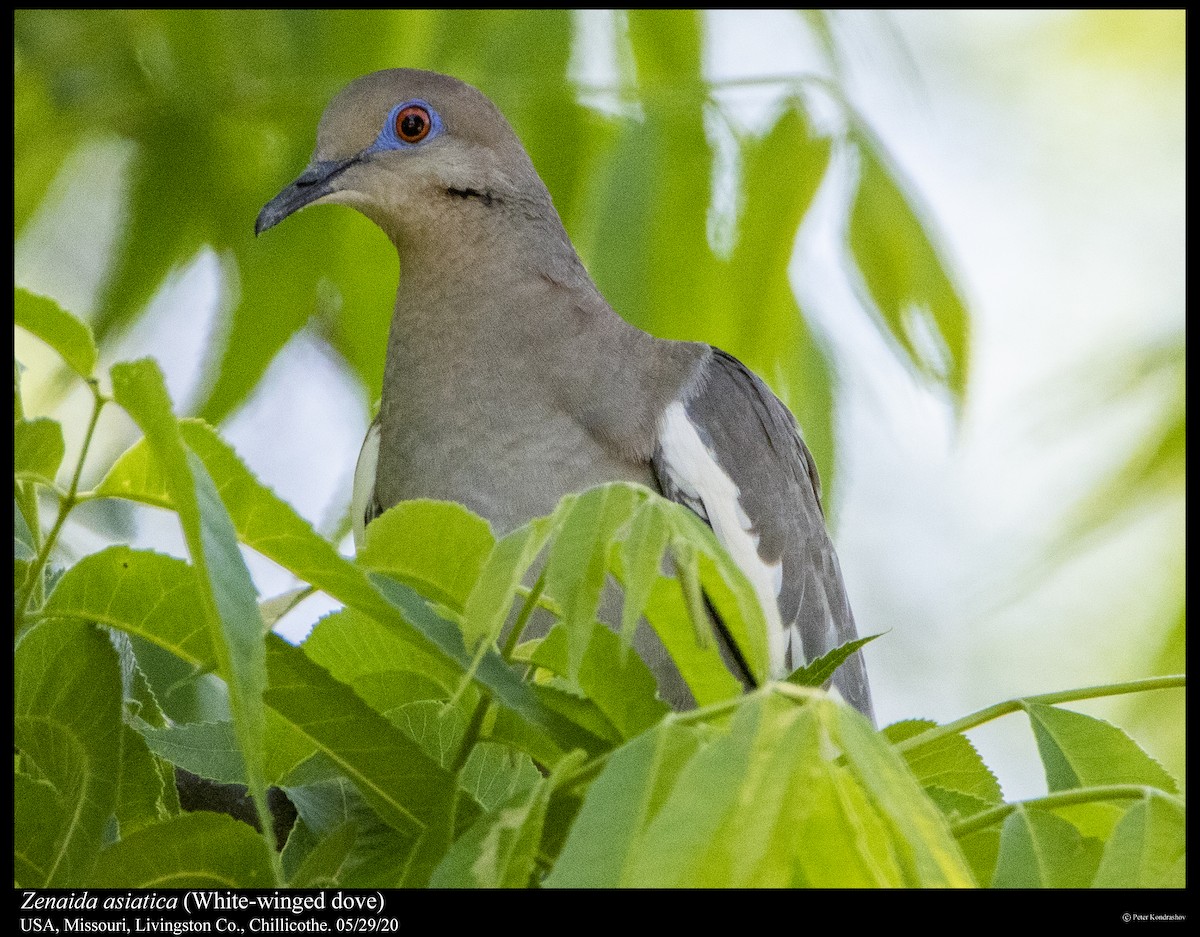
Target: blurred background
<point>952,242</point>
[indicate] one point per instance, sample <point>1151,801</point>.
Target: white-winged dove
<point>510,381</point>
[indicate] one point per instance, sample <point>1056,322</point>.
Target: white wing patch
<point>364,483</point>
<point>699,477</point>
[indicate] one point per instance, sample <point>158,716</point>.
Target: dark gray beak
<point>320,178</point>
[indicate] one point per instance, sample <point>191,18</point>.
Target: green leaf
<point>648,198</point>
<point>494,772</point>
<point>37,449</point>
<point>207,749</point>
<point>950,764</point>
<point>500,848</point>
<point>325,864</point>
<point>1096,819</point>
<point>603,842</point>
<point>228,602</point>
<point>789,792</point>
<point>491,672</point>
<point>926,850</point>
<point>42,824</point>
<point>210,750</point>
<point>488,604</point>
<point>955,805</point>
<point>700,664</point>
<point>577,561</point>
<point>143,593</point>
<point>726,586</point>
<point>1148,847</point>
<point>619,684</point>
<point>437,547</point>
<point>561,698</point>
<point>436,727</point>
<point>273,609</point>
<point>819,671</point>
<point>270,526</point>
<point>192,850</point>
<point>384,668</point>
<point>184,693</point>
<point>981,850</point>
<point>263,521</point>
<point>1040,850</point>
<point>1081,751</point>
<point>379,853</point>
<point>23,548</point>
<point>641,554</point>
<point>59,329</point>
<point>904,274</point>
<point>403,784</point>
<point>67,727</point>
<point>147,793</point>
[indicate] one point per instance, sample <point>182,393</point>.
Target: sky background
<point>1048,149</point>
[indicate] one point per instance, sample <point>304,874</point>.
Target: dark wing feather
<point>755,440</point>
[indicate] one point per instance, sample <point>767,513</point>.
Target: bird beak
<point>317,180</point>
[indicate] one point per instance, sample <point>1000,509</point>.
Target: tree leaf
<point>327,810</point>
<point>143,593</point>
<point>437,547</point>
<point>67,727</point>
<point>434,726</point>
<point>819,671</point>
<point>781,173</point>
<point>272,527</point>
<point>147,792</point>
<point>699,664</point>
<point>619,684</point>
<point>1148,847</point>
<point>494,772</point>
<point>926,850</point>
<point>1040,850</point>
<point>950,764</point>
<point>788,792</point>
<point>500,848</point>
<point>641,559</point>
<point>263,520</point>
<point>70,337</point>
<point>228,601</point>
<point>1081,751</point>
<point>726,586</point>
<point>403,784</point>
<point>490,671</point>
<point>577,562</point>
<point>491,598</point>
<point>41,827</point>
<point>192,850</point>
<point>207,749</point>
<point>385,669</point>
<point>604,840</point>
<point>904,274</point>
<point>37,449</point>
<point>327,862</point>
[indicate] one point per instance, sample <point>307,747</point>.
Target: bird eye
<point>413,123</point>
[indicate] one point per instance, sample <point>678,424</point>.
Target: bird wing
<point>732,452</point>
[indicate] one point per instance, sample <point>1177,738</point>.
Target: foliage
<point>421,740</point>
<point>422,745</point>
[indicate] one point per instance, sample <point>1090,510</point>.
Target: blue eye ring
<point>409,124</point>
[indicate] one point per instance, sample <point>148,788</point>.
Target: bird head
<point>409,148</point>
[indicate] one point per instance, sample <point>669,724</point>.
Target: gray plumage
<point>510,382</point>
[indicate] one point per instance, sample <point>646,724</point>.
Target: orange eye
<point>413,124</point>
